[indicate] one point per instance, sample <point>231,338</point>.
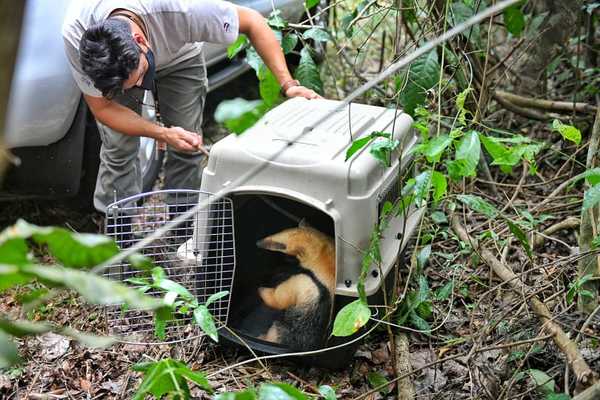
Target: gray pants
<point>182,91</point>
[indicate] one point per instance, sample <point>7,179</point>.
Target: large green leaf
<point>311,3</point>
<point>71,249</point>
<point>276,21</point>
<point>434,149</point>
<point>239,114</point>
<point>478,204</point>
<point>423,74</point>
<point>268,86</point>
<point>14,251</point>
<point>376,380</point>
<point>327,392</point>
<point>289,42</point>
<point>568,132</point>
<point>351,318</point>
<point>382,150</point>
<point>206,322</point>
<point>440,185</point>
<point>521,237</point>
<point>459,13</point>
<point>245,395</point>
<point>11,275</point>
<point>591,197</point>
<point>467,156</point>
<point>95,289</point>
<point>280,391</point>
<point>237,46</point>
<point>317,34</point>
<point>308,72</point>
<point>8,351</point>
<point>544,382</point>
<point>168,377</point>
<point>514,20</point>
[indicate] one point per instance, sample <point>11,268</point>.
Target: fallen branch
<point>591,393</point>
<point>544,104</point>
<point>569,223</point>
<point>406,389</point>
<point>582,371</point>
<point>522,111</point>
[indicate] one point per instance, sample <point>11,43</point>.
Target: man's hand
<point>301,91</point>
<point>182,140</point>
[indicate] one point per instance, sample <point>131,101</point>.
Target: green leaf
<point>557,396</point>
<point>161,317</point>
<point>14,251</point>
<point>253,59</point>
<point>197,377</point>
<point>382,150</point>
<point>20,328</point>
<point>440,185</point>
<point>268,86</point>
<point>422,187</point>
<point>95,289</point>
<point>377,380</point>
<point>165,378</point>
<point>568,132</point>
<point>239,114</point>
<point>467,154</point>
<point>276,21</point>
<point>439,217</point>
<point>10,276</point>
<point>460,106</point>
<point>216,297</point>
<point>141,262</point>
<point>357,145</point>
<point>351,318</point>
<point>308,72</point>
<point>311,3</point>
<point>317,34</point>
<point>434,149</point>
<point>591,175</point>
<point>327,392</point>
<point>245,395</point>
<point>289,42</point>
<point>87,339</point>
<point>591,197</point>
<point>8,351</point>
<point>280,391</point>
<point>174,287</point>
<point>459,13</point>
<point>544,382</point>
<point>478,204</point>
<point>514,20</point>
<point>423,75</point>
<point>422,259</point>
<point>206,322</point>
<point>419,322</point>
<point>444,292</point>
<point>237,46</point>
<point>520,235</point>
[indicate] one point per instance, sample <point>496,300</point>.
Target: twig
<point>406,389</point>
<point>312,387</point>
<point>543,104</point>
<point>582,371</point>
<point>569,223</point>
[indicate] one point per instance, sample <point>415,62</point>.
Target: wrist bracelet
<point>287,85</point>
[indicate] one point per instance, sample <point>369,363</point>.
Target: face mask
<point>148,80</point>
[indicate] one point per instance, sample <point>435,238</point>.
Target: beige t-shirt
<point>175,28</point>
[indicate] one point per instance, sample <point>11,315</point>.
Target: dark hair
<point>108,54</point>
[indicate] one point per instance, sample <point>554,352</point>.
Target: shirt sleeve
<point>84,83</point>
<point>213,21</point>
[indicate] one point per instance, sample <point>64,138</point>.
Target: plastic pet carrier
<point>304,176</point>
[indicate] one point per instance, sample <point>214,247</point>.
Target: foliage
<point>413,85</point>
<point>168,377</point>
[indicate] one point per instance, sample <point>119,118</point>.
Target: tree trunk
<point>11,15</point>
<point>545,43</point>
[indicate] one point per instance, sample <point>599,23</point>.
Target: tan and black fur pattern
<point>304,298</point>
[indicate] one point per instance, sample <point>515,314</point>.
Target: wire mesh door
<point>198,253</point>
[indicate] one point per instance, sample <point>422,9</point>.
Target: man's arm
<point>253,25</point>
<point>126,121</point>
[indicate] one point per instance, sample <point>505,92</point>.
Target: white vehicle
<point>49,127</point>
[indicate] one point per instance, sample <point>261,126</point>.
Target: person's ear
<point>139,39</point>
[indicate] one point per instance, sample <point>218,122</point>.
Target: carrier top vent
<point>291,129</point>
